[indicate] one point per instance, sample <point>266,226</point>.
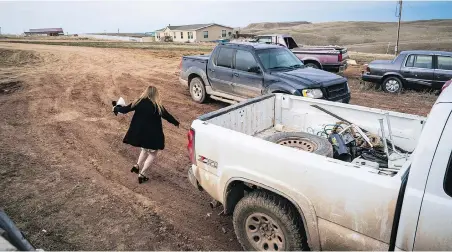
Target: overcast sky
<point>142,16</point>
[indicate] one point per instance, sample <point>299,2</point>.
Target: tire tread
<point>281,208</point>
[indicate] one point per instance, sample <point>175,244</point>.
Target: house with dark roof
<point>46,31</point>
<point>194,33</point>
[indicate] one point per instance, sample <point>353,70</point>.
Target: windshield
<point>278,59</point>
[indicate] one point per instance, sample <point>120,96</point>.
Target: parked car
<point>409,69</point>
<point>329,58</point>
<point>263,161</point>
<point>237,71</point>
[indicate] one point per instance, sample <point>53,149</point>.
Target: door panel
<point>220,71</point>
<point>435,219</point>
<point>443,72</point>
<point>246,83</point>
<point>418,69</point>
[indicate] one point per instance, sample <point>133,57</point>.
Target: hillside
<point>277,25</point>
<point>370,37</point>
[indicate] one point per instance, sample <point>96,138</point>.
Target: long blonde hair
<point>153,95</point>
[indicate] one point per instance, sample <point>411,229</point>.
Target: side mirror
<point>254,69</point>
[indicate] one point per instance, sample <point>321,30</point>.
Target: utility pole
<point>118,30</point>
<point>0,30</point>
<point>399,15</point>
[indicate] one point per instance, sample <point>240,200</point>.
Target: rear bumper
<point>183,82</point>
<point>335,67</point>
<point>192,178</point>
<point>371,78</point>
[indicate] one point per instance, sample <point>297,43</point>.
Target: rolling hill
<point>372,37</point>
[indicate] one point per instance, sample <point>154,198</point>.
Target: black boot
<point>142,178</point>
<point>135,169</point>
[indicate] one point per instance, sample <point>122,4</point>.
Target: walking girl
<point>146,129</point>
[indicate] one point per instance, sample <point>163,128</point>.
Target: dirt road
<point>64,172</point>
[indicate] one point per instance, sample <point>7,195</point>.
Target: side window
<point>420,61</point>
<point>410,61</point>
<point>290,43</point>
<point>448,177</point>
<point>265,40</point>
<point>244,60</point>
<point>444,63</point>
<point>423,61</point>
<point>224,58</point>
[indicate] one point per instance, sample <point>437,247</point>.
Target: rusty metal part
<point>264,233</point>
<point>297,143</point>
<point>342,119</point>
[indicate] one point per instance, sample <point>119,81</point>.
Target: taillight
<point>180,64</point>
<point>339,57</point>
<point>191,145</point>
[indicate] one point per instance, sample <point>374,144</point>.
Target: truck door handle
<point>406,71</point>
<point>212,70</point>
<point>236,74</point>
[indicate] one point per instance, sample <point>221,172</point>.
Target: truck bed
<point>267,115</point>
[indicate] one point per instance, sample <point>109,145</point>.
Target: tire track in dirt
<point>83,191</point>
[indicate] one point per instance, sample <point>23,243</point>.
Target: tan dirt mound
<point>18,57</point>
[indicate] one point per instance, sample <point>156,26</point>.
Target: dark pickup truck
<point>409,69</point>
<point>234,72</point>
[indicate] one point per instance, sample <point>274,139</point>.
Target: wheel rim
<point>311,65</point>
<point>299,143</point>
<point>392,85</point>
<point>264,233</point>
<point>196,90</point>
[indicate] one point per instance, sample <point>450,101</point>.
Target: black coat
<point>146,129</point>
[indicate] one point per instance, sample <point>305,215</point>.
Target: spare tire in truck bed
<point>303,141</point>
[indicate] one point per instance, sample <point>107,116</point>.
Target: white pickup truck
<point>284,198</point>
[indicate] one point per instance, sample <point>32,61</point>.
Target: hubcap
<point>264,233</point>
<point>298,143</point>
<point>392,85</point>
<point>197,90</point>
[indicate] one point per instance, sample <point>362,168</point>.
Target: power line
<point>399,15</point>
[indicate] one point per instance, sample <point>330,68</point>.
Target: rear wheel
<point>312,65</point>
<point>392,85</point>
<point>263,221</point>
<point>198,90</point>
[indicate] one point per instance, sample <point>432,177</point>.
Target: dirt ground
<point>64,172</point>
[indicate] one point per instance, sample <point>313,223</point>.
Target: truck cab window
<point>448,177</point>
<point>244,60</point>
<point>224,58</point>
<point>290,43</point>
<point>266,40</point>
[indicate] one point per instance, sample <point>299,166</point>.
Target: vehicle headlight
<point>312,93</point>
<point>348,88</point>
